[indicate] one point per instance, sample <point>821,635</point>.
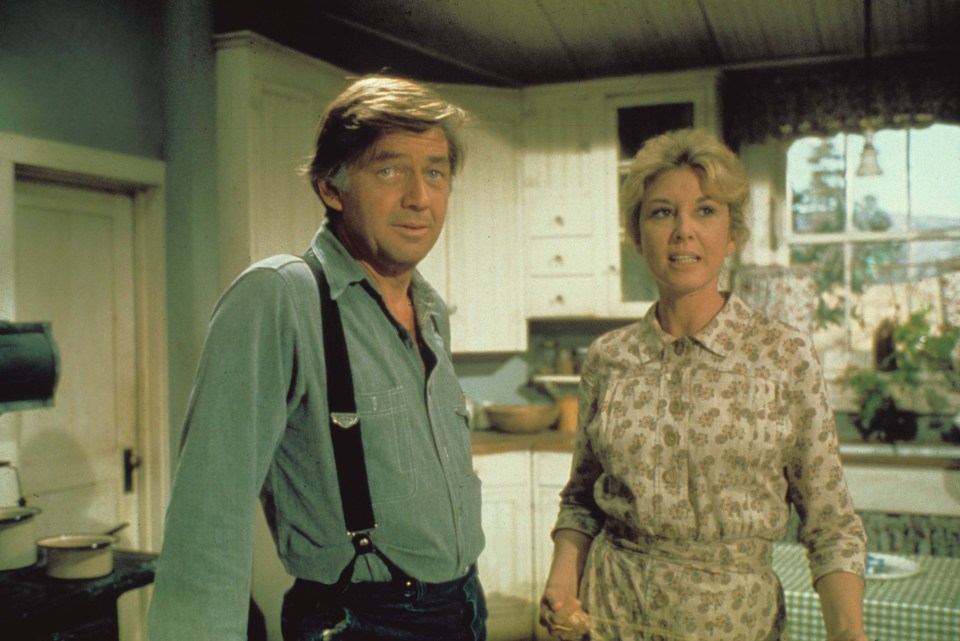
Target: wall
<point>189,147</point>
<point>136,78</point>
<point>83,72</point>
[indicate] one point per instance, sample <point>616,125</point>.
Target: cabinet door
<point>563,157</point>
<point>506,565</point>
<point>268,100</point>
<point>480,253</point>
<point>673,102</point>
<point>550,473</point>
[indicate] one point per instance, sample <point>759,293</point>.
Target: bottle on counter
<point>566,365</point>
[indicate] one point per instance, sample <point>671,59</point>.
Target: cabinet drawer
<point>549,296</point>
<point>560,257</point>
<point>557,219</point>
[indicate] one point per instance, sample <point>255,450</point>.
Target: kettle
<point>10,492</point>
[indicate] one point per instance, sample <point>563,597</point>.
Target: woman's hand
<point>561,613</point>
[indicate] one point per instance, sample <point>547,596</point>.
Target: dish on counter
<point>889,566</point>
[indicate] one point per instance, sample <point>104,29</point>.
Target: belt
<point>402,590</point>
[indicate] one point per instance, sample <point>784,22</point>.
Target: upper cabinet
<point>578,142</point>
<point>268,101</point>
<point>478,262</point>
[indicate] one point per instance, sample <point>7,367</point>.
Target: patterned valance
<point>827,98</point>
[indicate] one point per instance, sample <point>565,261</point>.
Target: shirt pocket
<point>387,444</point>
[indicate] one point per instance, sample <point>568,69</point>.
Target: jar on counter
<point>566,363</point>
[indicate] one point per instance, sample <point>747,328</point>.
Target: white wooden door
<point>74,267</point>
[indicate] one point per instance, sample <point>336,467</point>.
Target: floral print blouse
<point>693,448</point>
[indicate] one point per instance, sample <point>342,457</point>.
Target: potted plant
<point>914,369</point>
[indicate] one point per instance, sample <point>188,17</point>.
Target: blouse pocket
<point>386,444</point>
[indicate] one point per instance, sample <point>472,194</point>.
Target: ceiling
<point>517,43</point>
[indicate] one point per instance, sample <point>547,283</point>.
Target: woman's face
<point>684,234</point>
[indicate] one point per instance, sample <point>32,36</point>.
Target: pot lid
<point>14,514</point>
<point>78,541</point>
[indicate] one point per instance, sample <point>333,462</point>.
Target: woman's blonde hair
<point>721,174</point>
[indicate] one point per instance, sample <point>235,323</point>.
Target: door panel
<point>74,268</point>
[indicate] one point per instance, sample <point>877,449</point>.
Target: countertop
<point>908,454</point>
<point>493,442</point>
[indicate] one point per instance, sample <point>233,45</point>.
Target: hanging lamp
<point>869,166</point>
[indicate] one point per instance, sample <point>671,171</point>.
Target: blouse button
<point>679,347</point>
<point>670,477</point>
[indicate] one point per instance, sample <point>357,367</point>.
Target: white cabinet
<point>506,565</point>
<point>520,501</point>
<point>550,473</point>
<point>477,263</point>
<point>268,101</point>
<point>563,197</point>
<point>577,142</point>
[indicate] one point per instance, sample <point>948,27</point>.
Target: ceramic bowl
<point>522,419</point>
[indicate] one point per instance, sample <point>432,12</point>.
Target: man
<point>258,421</point>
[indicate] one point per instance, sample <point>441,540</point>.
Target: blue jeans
<point>452,611</point>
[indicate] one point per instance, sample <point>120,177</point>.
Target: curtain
<point>828,98</point>
<point>788,294</point>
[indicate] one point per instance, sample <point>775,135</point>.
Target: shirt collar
<point>342,271</point>
<point>732,320</point>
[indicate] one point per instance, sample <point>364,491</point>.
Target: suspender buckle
<point>344,420</point>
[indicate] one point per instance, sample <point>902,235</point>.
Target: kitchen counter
<point>493,442</point>
<point>900,454</point>
<point>35,607</point>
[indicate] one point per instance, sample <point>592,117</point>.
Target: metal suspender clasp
<point>344,420</point>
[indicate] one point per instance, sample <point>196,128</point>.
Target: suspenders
<point>346,437</point>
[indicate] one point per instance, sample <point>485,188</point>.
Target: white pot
<point>17,536</point>
<point>78,556</point>
<point>10,493</point>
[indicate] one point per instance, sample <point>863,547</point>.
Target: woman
<point>698,427</point>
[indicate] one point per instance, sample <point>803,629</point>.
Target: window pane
<point>879,263</point>
<point>880,202</point>
<point>934,251</point>
<point>827,259</point>
<point>934,168</point>
<point>815,173</point>
<point>635,125</point>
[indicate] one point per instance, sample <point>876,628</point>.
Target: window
<point>874,243</point>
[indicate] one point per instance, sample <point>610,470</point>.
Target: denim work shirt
<point>258,422</point>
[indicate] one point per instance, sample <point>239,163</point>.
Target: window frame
<point>836,343</point>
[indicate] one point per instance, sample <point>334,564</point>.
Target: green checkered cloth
<point>923,607</point>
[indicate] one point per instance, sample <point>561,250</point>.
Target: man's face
<point>395,201</point>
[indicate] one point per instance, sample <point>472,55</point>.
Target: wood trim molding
<point>145,179</point>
